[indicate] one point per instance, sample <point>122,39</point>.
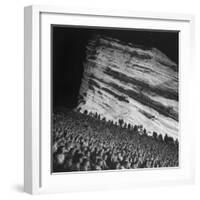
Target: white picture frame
<point>37,58</point>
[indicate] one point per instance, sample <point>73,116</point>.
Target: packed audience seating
<point>81,142</point>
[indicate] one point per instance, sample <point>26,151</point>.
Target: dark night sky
<point>68,51</point>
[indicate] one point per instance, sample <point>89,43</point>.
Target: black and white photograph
<point>114,98</point>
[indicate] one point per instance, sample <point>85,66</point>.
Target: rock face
<point>130,82</point>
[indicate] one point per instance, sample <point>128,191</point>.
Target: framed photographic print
<point>107,99</point>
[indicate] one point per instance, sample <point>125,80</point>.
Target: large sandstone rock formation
<point>130,82</point>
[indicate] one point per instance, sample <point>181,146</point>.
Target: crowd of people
<point>81,142</point>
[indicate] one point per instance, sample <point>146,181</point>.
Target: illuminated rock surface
<point>129,82</point>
